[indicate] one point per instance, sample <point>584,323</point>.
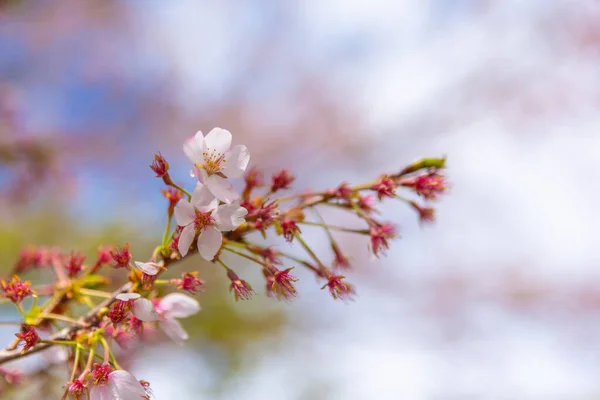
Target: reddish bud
<point>340,261</point>
<point>380,234</point>
<point>76,389</point>
<point>289,229</point>
<point>75,264</point>
<point>264,216</point>
<point>269,254</point>
<point>254,178</point>
<point>428,185</point>
<point>189,282</point>
<point>280,284</point>
<point>242,289</point>
<point>28,336</point>
<point>281,180</point>
<point>160,166</point>
<point>426,214</point>
<point>344,192</point>
<point>16,290</point>
<point>121,256</point>
<point>339,289</point>
<point>366,203</point>
<point>385,188</point>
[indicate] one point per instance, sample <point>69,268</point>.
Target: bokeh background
<point>498,300</point>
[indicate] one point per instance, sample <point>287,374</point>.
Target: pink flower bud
<point>28,336</point>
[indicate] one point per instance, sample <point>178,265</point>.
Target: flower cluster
<point>214,219</point>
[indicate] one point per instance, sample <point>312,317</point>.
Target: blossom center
<point>214,161</point>
<point>203,220</point>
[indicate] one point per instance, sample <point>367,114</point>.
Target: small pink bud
<point>12,376</point>
<point>385,188</point>
<point>290,229</point>
<point>380,234</point>
<point>189,282</point>
<point>340,261</point>
<point>282,180</point>
<point>75,264</point>
<point>121,256</point>
<point>29,336</point>
<point>426,214</point>
<point>366,203</point>
<point>76,388</point>
<point>242,289</point>
<point>280,284</point>
<point>269,254</point>
<point>339,289</point>
<point>429,185</point>
<point>254,178</point>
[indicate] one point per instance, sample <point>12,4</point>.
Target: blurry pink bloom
<point>380,234</point>
<point>75,264</point>
<point>339,289</point>
<point>115,385</point>
<point>170,307</point>
<point>214,160</point>
<point>121,256</point>
<point>385,187</point>
<point>282,180</point>
<point>204,214</point>
<point>241,289</point>
<point>189,282</point>
<point>16,290</point>
<point>289,229</point>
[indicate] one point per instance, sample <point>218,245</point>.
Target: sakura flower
<point>215,160</point>
<point>149,272</point>
<point>171,307</point>
<point>115,385</point>
<point>205,216</point>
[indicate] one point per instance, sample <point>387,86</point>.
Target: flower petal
<point>229,216</point>
<point>174,330</point>
<point>218,139</point>
<point>101,392</point>
<point>128,296</point>
<point>237,161</point>
<point>203,199</point>
<point>184,213</point>
<point>185,239</point>
<point>125,386</point>
<point>193,148</point>
<point>148,268</point>
<point>222,189</point>
<point>144,310</point>
<point>178,305</point>
<point>209,242</point>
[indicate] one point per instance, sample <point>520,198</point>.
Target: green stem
<point>239,253</point>
<point>167,231</point>
<point>61,342</point>
<point>111,356</point>
<point>95,293</point>
<point>309,251</point>
<point>336,228</point>
<point>75,363</point>
<point>176,186</point>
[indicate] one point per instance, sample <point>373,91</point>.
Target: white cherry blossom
<point>215,160</point>
<point>120,385</point>
<point>171,307</point>
<point>204,216</point>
